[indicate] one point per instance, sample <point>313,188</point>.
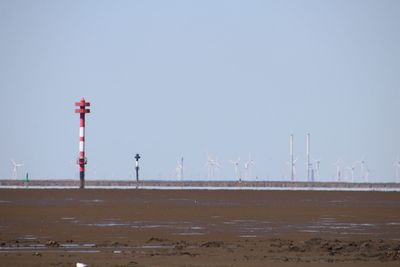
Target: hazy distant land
<point>150,184</point>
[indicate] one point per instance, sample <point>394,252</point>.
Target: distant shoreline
<point>199,185</point>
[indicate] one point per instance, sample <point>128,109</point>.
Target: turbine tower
<point>396,165</point>
<point>179,169</point>
<point>247,167</point>
<point>292,161</point>
<point>338,171</point>
<point>237,168</point>
<point>209,165</point>
<point>316,170</point>
<point>353,169</point>
<point>182,168</point>
<point>15,168</point>
<point>309,167</point>
<point>367,172</point>
<point>364,171</point>
<point>212,165</point>
<point>348,171</point>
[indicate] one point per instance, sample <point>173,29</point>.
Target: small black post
<point>26,182</point>
<point>137,157</point>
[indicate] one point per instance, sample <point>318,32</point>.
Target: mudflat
<point>198,228</point>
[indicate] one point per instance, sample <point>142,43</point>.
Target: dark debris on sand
<point>341,249</point>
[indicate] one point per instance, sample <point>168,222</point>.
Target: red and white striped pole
<point>82,110</point>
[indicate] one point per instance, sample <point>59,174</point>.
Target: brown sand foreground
<point>198,228</point>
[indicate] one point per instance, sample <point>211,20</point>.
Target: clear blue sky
<point>185,78</point>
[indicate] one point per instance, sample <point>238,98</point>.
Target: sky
<point>168,79</point>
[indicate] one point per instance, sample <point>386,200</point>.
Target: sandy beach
<point>199,228</point>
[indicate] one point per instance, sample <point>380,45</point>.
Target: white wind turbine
<point>347,174</point>
<point>367,173</point>
<point>396,165</point>
<point>209,166</point>
<point>212,165</point>
<point>247,167</point>
<point>292,166</point>
<point>338,170</point>
<point>363,174</point>
<point>292,163</point>
<point>352,170</point>
<point>217,166</point>
<point>15,168</point>
<point>237,168</point>
<point>308,163</point>
<point>179,169</point>
<point>316,163</point>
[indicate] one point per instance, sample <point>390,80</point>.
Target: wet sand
<point>198,228</point>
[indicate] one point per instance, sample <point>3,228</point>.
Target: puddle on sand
<point>70,248</point>
<point>261,229</point>
<point>244,221</point>
<point>151,226</point>
<point>92,200</point>
<point>248,236</point>
<point>339,227</point>
<point>83,251</point>
<point>363,233</point>
<point>68,218</point>
<point>108,224</point>
<point>361,224</point>
<point>309,231</point>
<point>316,227</point>
<point>30,247</point>
<point>29,237</point>
<point>156,246</point>
<point>78,245</point>
<point>42,246</point>
<point>337,201</point>
<point>190,233</point>
<point>328,219</point>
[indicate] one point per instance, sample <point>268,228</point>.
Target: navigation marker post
<point>82,110</point>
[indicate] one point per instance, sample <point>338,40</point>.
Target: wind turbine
<point>15,168</point>
<point>294,169</point>
<point>212,165</point>
<point>292,162</point>
<point>396,165</point>
<point>179,169</point>
<point>316,162</point>
<point>363,169</point>
<point>348,174</point>
<point>247,167</point>
<point>338,171</point>
<point>352,170</point>
<point>209,166</point>
<point>292,166</point>
<point>237,168</point>
<point>217,166</point>
<point>367,172</point>
<point>309,164</point>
